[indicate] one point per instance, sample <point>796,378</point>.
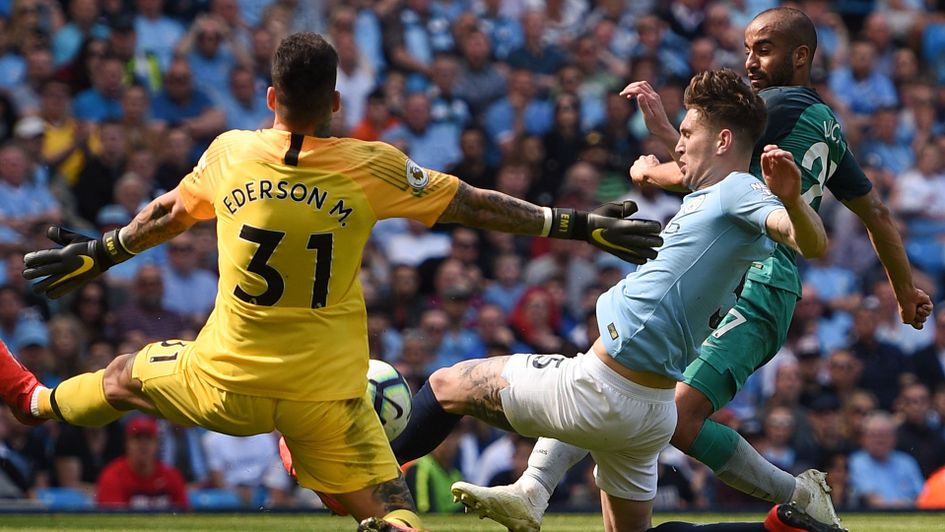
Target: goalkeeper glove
<point>80,260</point>
<point>609,228</point>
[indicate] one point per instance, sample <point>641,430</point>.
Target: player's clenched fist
<point>80,260</point>
<point>610,228</point>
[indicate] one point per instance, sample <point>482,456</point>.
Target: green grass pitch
<point>280,522</point>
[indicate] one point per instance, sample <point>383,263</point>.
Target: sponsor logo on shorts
<point>612,329</point>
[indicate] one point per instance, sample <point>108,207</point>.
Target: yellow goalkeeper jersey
<point>293,215</point>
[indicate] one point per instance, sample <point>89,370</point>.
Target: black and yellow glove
<point>80,260</point>
<point>609,228</point>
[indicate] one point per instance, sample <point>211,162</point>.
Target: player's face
<point>696,148</point>
<point>768,56</point>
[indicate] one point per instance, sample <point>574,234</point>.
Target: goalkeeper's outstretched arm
<point>161,220</point>
<point>608,227</point>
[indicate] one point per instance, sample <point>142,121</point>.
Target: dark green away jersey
<point>801,123</point>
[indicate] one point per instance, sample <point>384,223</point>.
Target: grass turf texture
<point>248,522</point>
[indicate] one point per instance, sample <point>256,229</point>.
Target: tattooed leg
<point>378,500</point>
<point>473,387</point>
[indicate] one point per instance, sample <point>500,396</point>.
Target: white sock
<point>547,465</point>
<point>34,400</point>
<point>749,472</point>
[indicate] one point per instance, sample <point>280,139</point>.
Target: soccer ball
<point>391,396</point>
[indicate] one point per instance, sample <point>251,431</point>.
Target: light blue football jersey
<point>656,318</point>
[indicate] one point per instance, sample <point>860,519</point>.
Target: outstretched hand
<point>781,174</point>
<point>651,105</point>
<point>610,228</point>
<point>78,261</point>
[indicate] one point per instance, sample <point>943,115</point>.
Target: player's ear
<point>802,57</point>
<point>271,99</point>
<point>724,141</point>
<point>335,102</point>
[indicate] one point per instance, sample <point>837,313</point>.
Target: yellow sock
<point>404,517</point>
<point>80,401</point>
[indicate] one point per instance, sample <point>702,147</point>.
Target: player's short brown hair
<point>727,102</point>
<point>304,70</point>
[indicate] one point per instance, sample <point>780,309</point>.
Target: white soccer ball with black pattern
<point>391,396</point>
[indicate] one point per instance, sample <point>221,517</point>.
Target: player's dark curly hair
<point>727,102</point>
<point>304,70</point>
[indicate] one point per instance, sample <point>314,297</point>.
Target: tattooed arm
<point>489,209</point>
<point>81,259</point>
<point>606,228</point>
<point>163,219</point>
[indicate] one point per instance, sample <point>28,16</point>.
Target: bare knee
<point>688,426</point>
<point>692,409</point>
<point>447,387</point>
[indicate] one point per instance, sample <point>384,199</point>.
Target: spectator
<point>520,112</point>
<point>537,323</point>
<point>39,70</point>
<point>141,67</point>
<point>861,87</point>
<point>83,23</point>
<point>502,30</point>
<point>508,288</point>
<point>473,167</point>
<point>103,100</point>
<point>919,193</point>
<point>406,304</point>
<point>212,50</point>
<point>459,341</point>
<point>412,37</point>
<point>537,55</point>
<point>377,118</point>
<point>430,477</point>
<point>494,336</point>
<point>431,145</point>
<point>81,453</point>
<point>480,82</point>
<point>883,476</point>
<point>177,158</point>
<point>446,106</point>
<point>12,64</point>
<point>920,434</point>
<point>249,466</point>
<point>138,480</point>
<point>244,106</point>
<point>65,140</point>
<point>156,33</point>
<point>95,186</point>
<point>189,290</point>
<point>416,245</point>
<point>90,308</point>
<point>181,104</point>
<point>882,147</point>
<point>883,363</point>
<point>23,203</point>
<point>24,454</point>
<point>143,135</point>
<point>356,79</point>
<point>827,429</point>
<point>665,49</point>
<point>145,319</point>
<point>930,362</point>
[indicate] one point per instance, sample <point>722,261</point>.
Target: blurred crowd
<point>106,103</point>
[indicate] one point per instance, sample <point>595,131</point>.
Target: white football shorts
<point>583,402</point>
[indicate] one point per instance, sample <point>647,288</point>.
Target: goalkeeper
<point>285,347</point>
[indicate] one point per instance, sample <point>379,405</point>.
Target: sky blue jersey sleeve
<point>748,201</point>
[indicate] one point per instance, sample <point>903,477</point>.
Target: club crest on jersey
<point>417,176</point>
<point>694,203</point>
